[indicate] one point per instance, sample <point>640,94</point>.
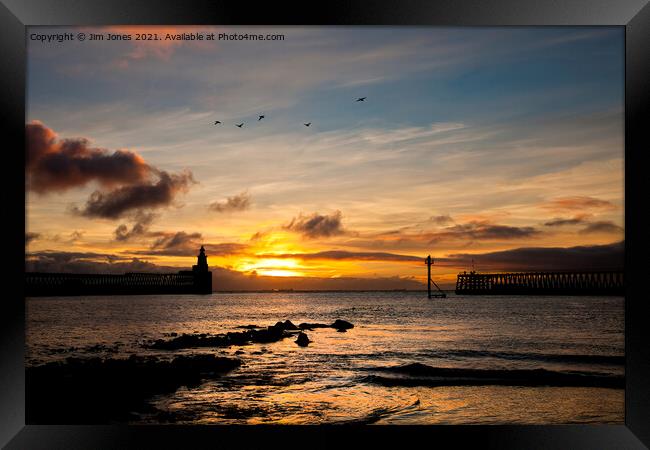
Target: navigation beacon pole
<point>428,261</point>
<point>440,294</point>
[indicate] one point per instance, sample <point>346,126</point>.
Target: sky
<point>488,148</point>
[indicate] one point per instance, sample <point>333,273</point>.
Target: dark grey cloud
<point>237,202</point>
<point>177,240</point>
<point>88,262</point>
<point>54,164</point>
<point>191,248</point>
<point>441,220</point>
<point>558,222</point>
<point>481,231</point>
<point>30,237</point>
<point>411,239</point>
<point>345,255</point>
<point>317,225</point>
<point>596,257</point>
<point>604,226</point>
<point>140,228</point>
<point>127,199</point>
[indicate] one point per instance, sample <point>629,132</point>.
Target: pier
<point>195,281</point>
<point>541,283</point>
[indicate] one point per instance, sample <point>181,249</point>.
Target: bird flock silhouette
<point>262,116</point>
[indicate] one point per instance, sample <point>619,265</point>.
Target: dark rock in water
<point>342,330</point>
<point>311,326</point>
<point>338,325</point>
<point>270,334</point>
<point>342,325</point>
<point>288,325</point>
<point>239,352</point>
<point>95,390</point>
<point>302,340</point>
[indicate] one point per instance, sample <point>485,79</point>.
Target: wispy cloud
<point>577,203</point>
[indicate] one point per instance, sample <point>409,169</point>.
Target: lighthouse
<point>202,276</point>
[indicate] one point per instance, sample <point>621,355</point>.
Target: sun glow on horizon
<point>272,267</point>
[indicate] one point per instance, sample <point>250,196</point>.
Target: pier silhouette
<point>195,281</point>
<point>542,283</point>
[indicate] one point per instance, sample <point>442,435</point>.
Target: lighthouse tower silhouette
<point>202,276</point>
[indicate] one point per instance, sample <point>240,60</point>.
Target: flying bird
<point>361,99</point>
<point>239,124</point>
<point>307,124</point>
<point>260,118</point>
<point>216,122</point>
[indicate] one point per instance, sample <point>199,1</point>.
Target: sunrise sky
<point>502,145</point>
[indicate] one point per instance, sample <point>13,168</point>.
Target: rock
<point>342,330</point>
<point>311,326</point>
<point>302,340</point>
<point>239,352</point>
<point>342,325</point>
<point>286,325</point>
<point>289,326</point>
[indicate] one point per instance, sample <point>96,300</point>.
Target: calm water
<point>328,381</point>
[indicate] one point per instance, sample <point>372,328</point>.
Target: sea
<point>408,359</point>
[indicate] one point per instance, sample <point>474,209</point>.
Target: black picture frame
<point>633,15</point>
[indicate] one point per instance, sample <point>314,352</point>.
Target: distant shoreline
<point>301,291</point>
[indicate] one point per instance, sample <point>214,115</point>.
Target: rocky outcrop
<point>96,390</point>
<point>339,325</point>
<point>252,335</point>
<point>270,334</point>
